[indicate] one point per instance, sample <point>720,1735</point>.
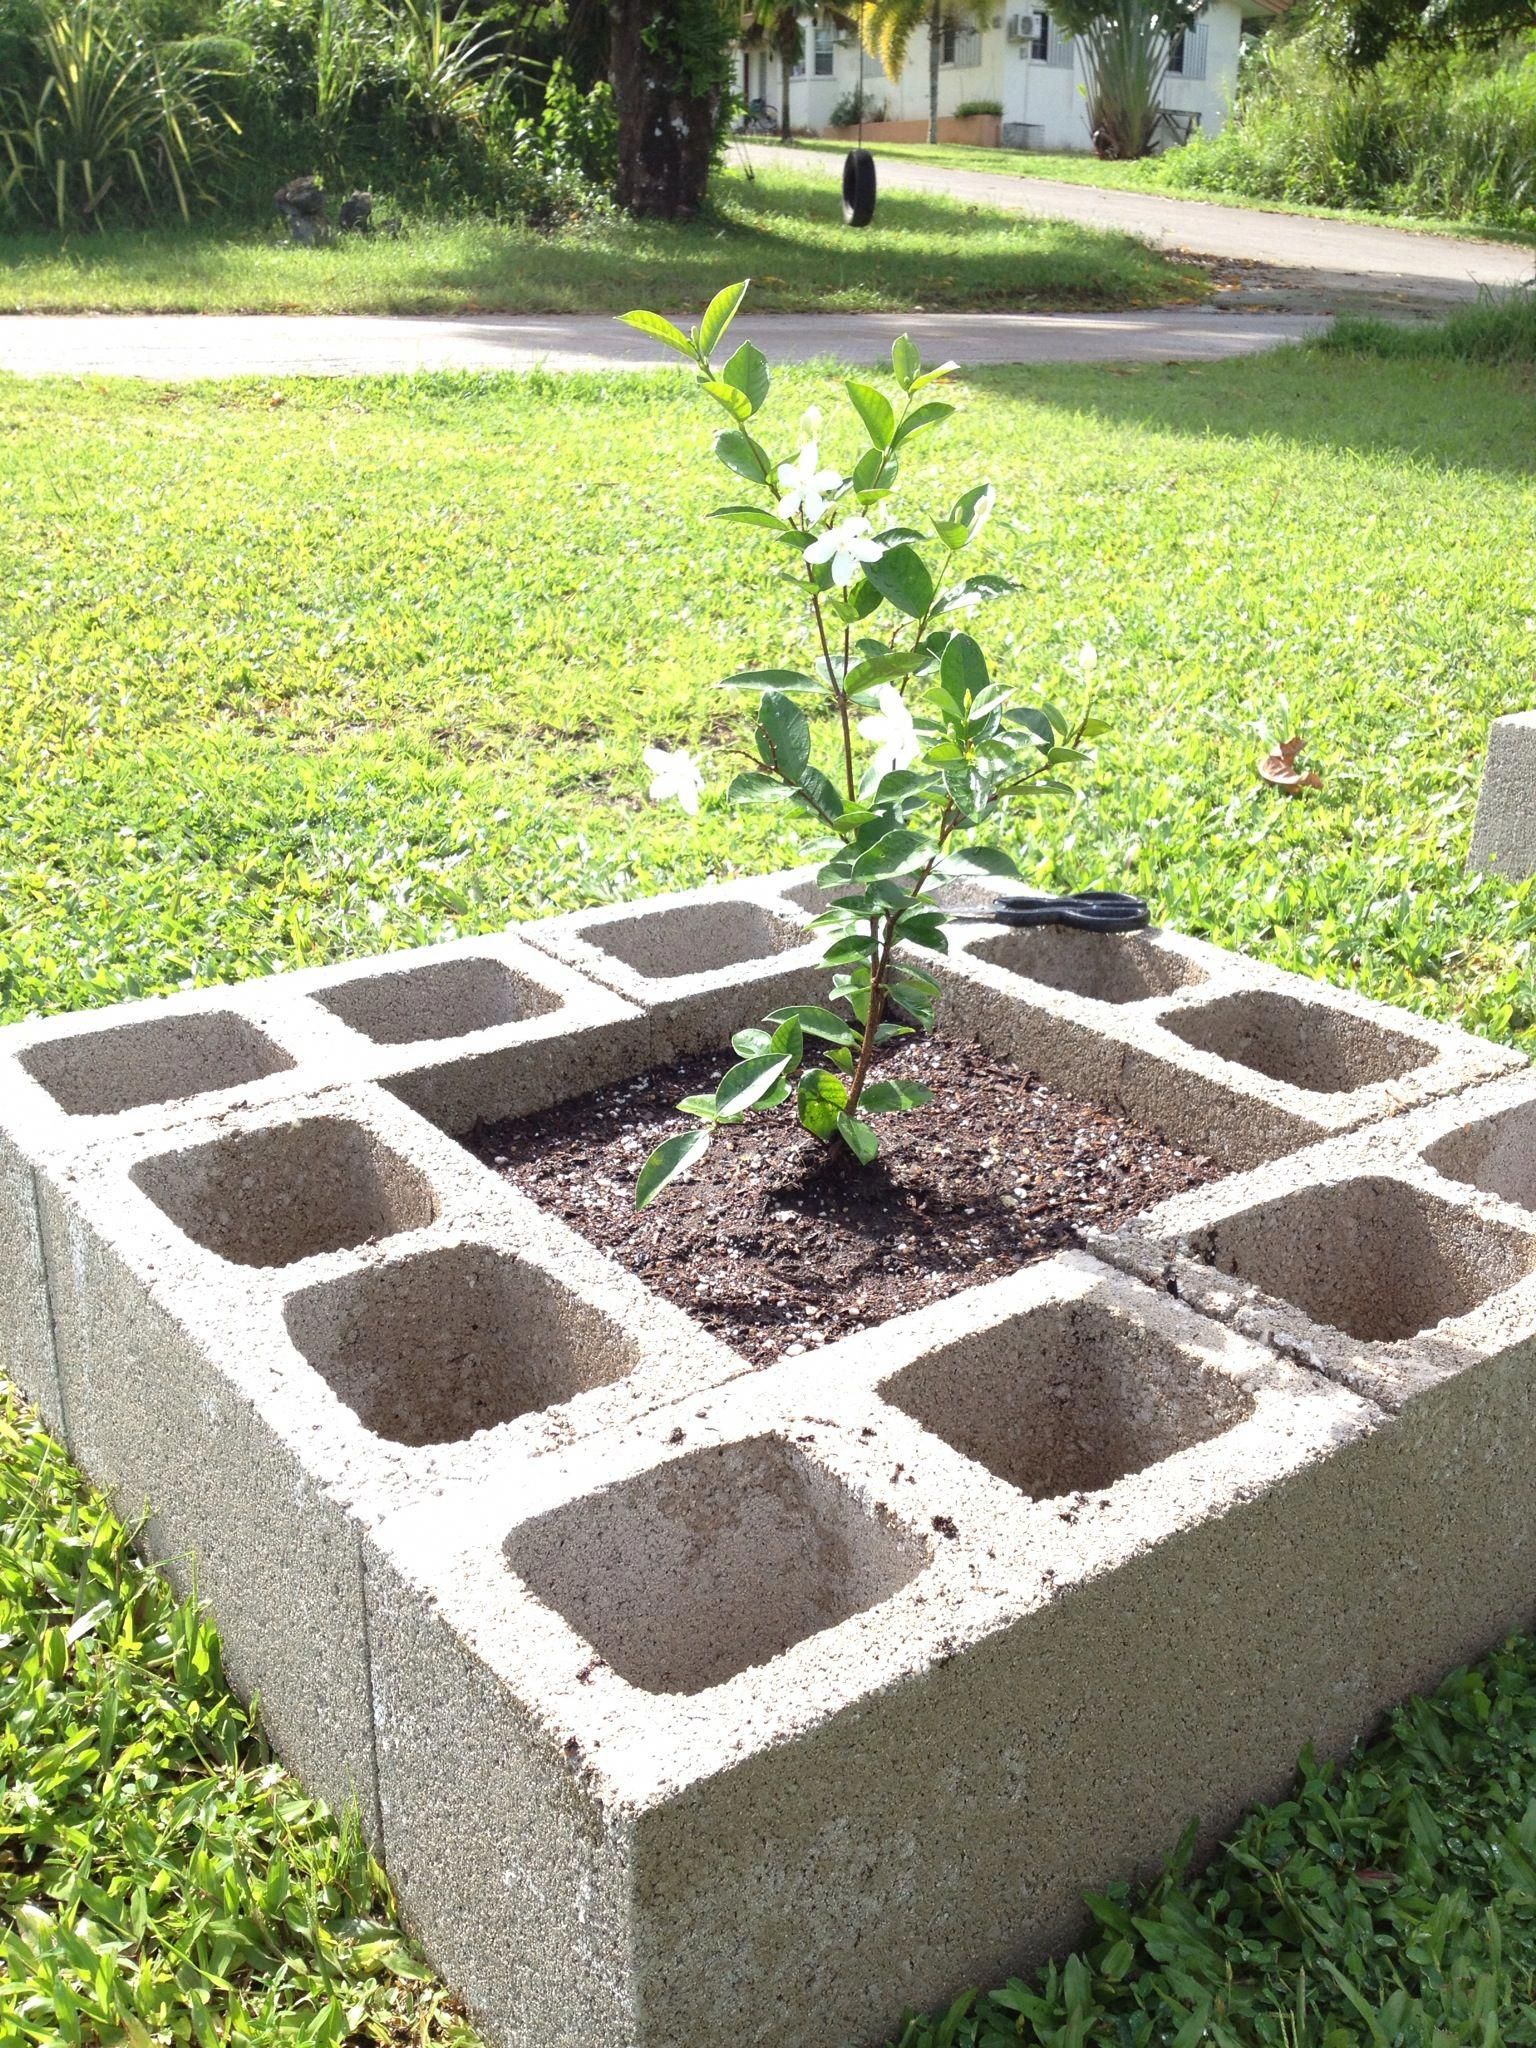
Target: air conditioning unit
<point>1021,28</point>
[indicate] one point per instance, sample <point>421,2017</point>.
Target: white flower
<point>1087,657</point>
<point>847,547</point>
<point>805,486</point>
<point>892,731</point>
<point>674,776</point>
<point>983,511</point>
<point>810,422</point>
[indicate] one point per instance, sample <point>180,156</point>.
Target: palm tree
<point>775,25</point>
<point>888,27</point>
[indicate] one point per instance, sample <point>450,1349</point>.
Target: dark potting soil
<point>777,1243</point>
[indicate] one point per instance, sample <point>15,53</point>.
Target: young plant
<point>928,750</point>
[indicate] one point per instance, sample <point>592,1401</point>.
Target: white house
<point>1019,60</point>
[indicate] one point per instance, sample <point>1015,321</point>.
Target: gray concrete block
<point>811,1669</point>
<point>692,1703</point>
<point>1504,831</point>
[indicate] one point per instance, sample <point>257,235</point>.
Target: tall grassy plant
<point>1125,47</point>
<point>112,118</point>
<point>1448,137</point>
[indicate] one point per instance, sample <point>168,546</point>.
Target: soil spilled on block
<point>778,1243</point>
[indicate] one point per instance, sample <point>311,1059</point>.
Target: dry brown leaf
<point>1280,771</point>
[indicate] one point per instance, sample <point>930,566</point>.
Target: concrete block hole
<point>1374,1257</point>
<point>271,1197</point>
<point>443,999</point>
<point>1497,1154</point>
<point>714,1562</point>
<point>161,1059</point>
<point>1105,967</point>
<point>1309,1045</point>
<point>695,938</point>
<point>429,1349</point>
<point>1067,1398</point>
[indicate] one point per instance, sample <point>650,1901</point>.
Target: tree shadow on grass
<point>1451,416</point>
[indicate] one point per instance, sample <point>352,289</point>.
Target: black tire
<point>858,188</point>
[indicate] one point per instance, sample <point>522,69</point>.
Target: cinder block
<point>274,1325</point>
<point>690,1703</point>
<point>691,942</point>
<point>844,1718</point>
<point>1504,831</point>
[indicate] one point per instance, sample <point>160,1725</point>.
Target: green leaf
<point>924,928</point>
<point>660,330</point>
<point>751,788</point>
<point>770,679</point>
<point>702,1106</point>
<point>748,371</point>
<point>873,475</point>
<point>783,735</point>
<point>906,361</point>
<point>883,668</point>
<point>963,668</point>
<point>816,1023</point>
<point>748,1045</point>
<point>752,515</point>
<point>854,947</point>
<point>671,1157</point>
<point>917,422</point>
<point>975,590</point>
<point>736,403</point>
<point>893,854</point>
<point>789,1039</point>
<point>980,860</point>
<point>739,452</point>
<point>881,1098</point>
<point>902,579</point>
<point>939,375</point>
<point>719,314</point>
<point>861,1141</point>
<point>820,1101</point>
<point>749,1079</point>
<point>875,410</point>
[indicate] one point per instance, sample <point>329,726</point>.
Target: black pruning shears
<point>1090,910</point>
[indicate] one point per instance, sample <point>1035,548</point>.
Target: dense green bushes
<point>140,109</point>
<point>1453,136</point>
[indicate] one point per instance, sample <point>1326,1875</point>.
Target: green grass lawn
<point>1156,174</point>
<point>785,231</point>
<point>301,674</point>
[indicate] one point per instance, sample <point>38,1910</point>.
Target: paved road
<point>1333,261</point>
<point>180,345</point>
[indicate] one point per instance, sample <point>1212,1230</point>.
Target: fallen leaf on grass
<point>1280,771</point>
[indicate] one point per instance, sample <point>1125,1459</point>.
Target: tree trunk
<point>666,117</point>
<point>786,66</point>
<point>935,53</point>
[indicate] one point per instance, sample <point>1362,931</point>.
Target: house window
<point>825,55</point>
<point>1186,51</point>
<point>1040,40</point>
<point>1176,53</point>
<point>959,45</point>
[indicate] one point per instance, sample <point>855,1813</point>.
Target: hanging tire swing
<point>858,188</point>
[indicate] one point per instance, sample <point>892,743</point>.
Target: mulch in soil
<point>778,1243</point>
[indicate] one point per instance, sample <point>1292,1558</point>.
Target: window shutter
<point>1059,51</point>
<point>1194,50</point>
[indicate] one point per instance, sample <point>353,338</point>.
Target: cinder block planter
<point>689,1702</point>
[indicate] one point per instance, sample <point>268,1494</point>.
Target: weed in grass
<point>785,232</point>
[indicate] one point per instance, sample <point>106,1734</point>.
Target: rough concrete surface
<point>1504,830</point>
<point>689,1702</point>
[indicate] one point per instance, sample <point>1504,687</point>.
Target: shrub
<point>928,749</point>
<point>854,107</point>
<point>101,118</point>
<point>967,108</point>
<point>1451,136</point>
